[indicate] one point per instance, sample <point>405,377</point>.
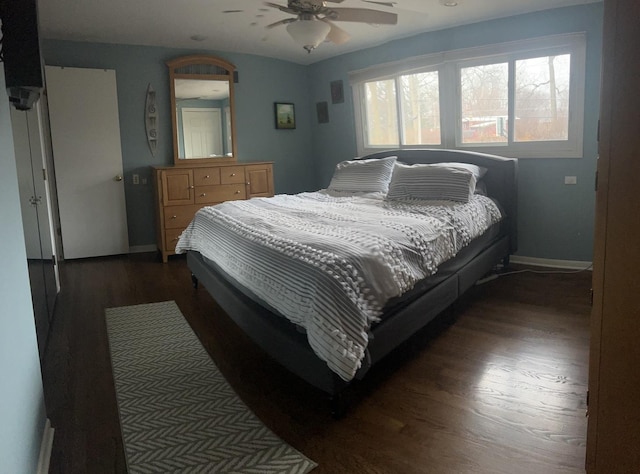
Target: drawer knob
<point>190,187</point>
<point>206,177</point>
<point>174,217</point>
<point>233,174</point>
<point>237,192</point>
<point>248,183</point>
<point>203,194</point>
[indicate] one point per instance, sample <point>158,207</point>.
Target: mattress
<point>331,263</point>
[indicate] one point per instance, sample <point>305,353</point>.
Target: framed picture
<point>337,92</point>
<point>322,109</point>
<point>285,115</point>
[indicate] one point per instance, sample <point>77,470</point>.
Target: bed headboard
<point>501,178</point>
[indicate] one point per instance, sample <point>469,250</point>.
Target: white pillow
<point>431,182</point>
<point>372,175</point>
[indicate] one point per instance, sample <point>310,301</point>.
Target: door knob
<point>117,178</point>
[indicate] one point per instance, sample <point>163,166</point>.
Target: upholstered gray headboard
<point>501,179</point>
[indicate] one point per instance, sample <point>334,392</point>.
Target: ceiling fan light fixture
<point>309,33</point>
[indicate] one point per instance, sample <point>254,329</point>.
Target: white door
<point>202,129</point>
<point>85,136</point>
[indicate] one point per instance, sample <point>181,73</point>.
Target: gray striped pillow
<point>431,182</point>
<point>478,171</point>
<point>372,175</point>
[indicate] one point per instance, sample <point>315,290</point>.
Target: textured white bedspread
<point>330,263</point>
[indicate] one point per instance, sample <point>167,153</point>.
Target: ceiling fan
<point>313,22</point>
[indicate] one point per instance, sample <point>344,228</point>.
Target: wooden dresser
<point>182,190</point>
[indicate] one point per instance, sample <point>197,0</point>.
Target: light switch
<point>570,180</point>
<point>136,179</point>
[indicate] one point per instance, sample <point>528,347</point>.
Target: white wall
<point>22,413</point>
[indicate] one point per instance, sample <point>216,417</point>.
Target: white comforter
<point>330,263</point>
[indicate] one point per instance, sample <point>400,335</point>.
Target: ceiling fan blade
<point>336,35</point>
<point>281,22</point>
<point>363,15</point>
<point>384,4</point>
<point>281,8</point>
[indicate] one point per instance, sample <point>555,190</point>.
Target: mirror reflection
<point>203,118</point>
<point>202,101</point>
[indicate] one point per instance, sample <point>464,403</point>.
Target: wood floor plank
<point>498,389</point>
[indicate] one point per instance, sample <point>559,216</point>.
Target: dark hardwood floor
<point>499,389</point>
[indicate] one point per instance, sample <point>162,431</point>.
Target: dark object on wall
<point>337,92</point>
<point>322,109</point>
<point>285,115</point>
<point>21,52</point>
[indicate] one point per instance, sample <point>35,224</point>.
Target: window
<point>420,108</point>
<point>484,101</point>
<point>542,98</point>
<point>522,99</point>
<point>381,113</point>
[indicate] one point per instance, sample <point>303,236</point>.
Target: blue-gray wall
<point>22,414</point>
<point>555,221</point>
<point>262,81</point>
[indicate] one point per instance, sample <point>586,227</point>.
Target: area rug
<point>177,411</point>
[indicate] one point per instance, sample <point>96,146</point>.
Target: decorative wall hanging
<point>322,109</point>
<point>151,120</point>
<point>285,115</point>
<point>337,92</point>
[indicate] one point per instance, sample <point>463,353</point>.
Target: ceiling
<point>201,25</point>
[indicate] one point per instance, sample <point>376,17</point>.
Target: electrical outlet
<point>136,179</point>
<point>570,180</point>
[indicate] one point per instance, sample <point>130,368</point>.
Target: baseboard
<point>551,263</point>
<point>143,248</point>
<point>45,448</point>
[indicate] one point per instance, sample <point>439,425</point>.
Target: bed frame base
<point>288,344</point>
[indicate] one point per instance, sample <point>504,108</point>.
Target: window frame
<point>448,65</point>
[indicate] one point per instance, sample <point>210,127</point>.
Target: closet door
<point>37,219</point>
<point>613,434</point>
<point>85,135</point>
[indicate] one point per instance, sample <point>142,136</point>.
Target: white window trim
<point>448,65</point>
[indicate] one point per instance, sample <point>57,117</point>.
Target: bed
<point>283,311</point>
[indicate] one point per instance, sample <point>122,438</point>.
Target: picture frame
<point>322,110</point>
<point>337,92</point>
<point>285,115</point>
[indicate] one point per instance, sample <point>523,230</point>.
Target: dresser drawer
<point>179,216</point>
<point>220,193</point>
<point>171,238</point>
<point>206,176</point>
<point>232,175</point>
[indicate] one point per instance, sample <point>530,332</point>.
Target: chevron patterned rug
<point>177,411</point>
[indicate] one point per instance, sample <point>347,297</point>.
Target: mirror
<point>202,105</point>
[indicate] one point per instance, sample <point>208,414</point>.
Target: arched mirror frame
<point>201,67</point>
